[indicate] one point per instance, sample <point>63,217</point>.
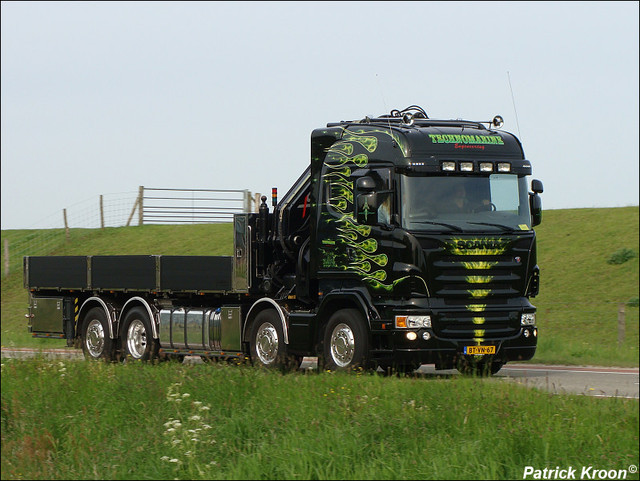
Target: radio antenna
<point>513,100</point>
<point>384,102</point>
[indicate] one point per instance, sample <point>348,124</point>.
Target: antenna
<point>514,105</point>
<point>384,103</point>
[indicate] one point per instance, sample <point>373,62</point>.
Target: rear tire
<point>346,342</point>
<point>137,337</point>
<point>96,343</point>
<point>267,340</point>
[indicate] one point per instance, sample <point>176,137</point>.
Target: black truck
<point>406,241</point>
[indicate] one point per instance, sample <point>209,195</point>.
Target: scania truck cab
<point>424,229</point>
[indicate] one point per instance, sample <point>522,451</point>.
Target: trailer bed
<point>147,273</point>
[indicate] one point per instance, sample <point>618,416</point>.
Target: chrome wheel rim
<point>95,338</point>
<point>136,339</point>
<point>267,343</point>
<point>343,345</point>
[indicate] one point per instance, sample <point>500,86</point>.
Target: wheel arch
<point>259,306</point>
<point>137,301</point>
<point>109,309</point>
<point>334,302</point>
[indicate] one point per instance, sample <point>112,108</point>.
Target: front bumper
<point>452,331</point>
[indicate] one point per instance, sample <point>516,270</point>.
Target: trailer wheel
<point>96,343</point>
<point>137,340</point>
<point>267,340</point>
<point>346,344</point>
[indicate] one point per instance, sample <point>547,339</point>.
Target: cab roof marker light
<point>466,166</point>
<point>504,167</point>
<point>486,167</point>
<point>449,166</point>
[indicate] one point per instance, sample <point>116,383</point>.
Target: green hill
<point>588,260</point>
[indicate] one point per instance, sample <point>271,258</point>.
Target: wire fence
<point>192,206</point>
<point>147,205</point>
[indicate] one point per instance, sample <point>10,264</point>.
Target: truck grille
<point>472,281</point>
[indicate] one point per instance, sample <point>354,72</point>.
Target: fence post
<point>621,323</point>
<point>101,213</point>
<point>141,205</point>
<point>66,226</point>
<point>247,201</point>
<point>6,257</point>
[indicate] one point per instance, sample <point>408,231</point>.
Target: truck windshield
<point>494,202</point>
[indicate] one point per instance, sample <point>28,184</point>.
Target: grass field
<point>580,294</point>
<point>89,420</point>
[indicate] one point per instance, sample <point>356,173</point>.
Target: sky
<point>102,97</point>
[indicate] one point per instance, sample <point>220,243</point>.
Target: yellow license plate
<point>473,350</point>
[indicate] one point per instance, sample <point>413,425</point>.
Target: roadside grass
<point>89,420</point>
<point>581,291</point>
<point>580,295</point>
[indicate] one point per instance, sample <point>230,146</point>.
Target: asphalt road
<point>586,380</point>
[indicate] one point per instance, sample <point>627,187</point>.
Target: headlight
<point>504,167</point>
<point>528,319</point>
<point>412,322</point>
<point>466,166</point>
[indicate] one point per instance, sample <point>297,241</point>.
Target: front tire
<point>137,339</point>
<point>346,343</point>
<point>96,343</point>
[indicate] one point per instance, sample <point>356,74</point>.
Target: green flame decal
<point>476,307</point>
<point>479,293</point>
<point>341,148</point>
<point>369,142</point>
<point>479,265</point>
<point>479,279</point>
<point>361,160</point>
<point>354,250</point>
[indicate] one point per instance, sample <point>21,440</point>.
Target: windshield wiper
<point>450,226</point>
<point>502,226</point>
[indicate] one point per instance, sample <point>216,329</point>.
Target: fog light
<point>412,336</point>
<point>449,166</point>
<point>426,335</point>
<point>528,319</point>
<point>526,333</point>
<point>535,333</point>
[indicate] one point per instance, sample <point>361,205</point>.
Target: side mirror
<point>536,186</point>
<point>367,208</point>
<point>367,200</point>
<point>535,202</point>
<point>365,184</point>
